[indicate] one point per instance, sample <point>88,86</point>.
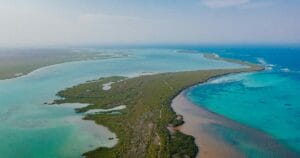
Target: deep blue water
<point>268,101</point>
<point>281,57</point>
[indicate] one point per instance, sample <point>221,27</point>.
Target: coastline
<point>173,84</point>
<point>197,117</point>
<point>200,123</point>
<point>143,106</point>
<point>38,67</point>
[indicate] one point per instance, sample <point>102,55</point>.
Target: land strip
<point>143,126</point>
<point>15,63</point>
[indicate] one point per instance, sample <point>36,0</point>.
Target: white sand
<point>106,110</point>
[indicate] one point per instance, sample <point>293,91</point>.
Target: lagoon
<point>29,128</point>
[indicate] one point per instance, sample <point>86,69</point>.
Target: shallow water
<point>267,101</point>
<point>29,128</point>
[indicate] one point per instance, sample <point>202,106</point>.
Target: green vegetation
<point>142,126</point>
<point>182,145</point>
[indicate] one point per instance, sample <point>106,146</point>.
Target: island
<point>146,127</point>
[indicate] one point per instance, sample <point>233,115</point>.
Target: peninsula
<point>147,126</point>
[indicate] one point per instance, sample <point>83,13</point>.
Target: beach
<point>201,124</point>
<point>195,118</point>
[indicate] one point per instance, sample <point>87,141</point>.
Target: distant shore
<point>18,64</point>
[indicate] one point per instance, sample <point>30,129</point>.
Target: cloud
<point>258,4</point>
<point>223,3</point>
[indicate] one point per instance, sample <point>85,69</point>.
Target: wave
<point>215,55</point>
<point>248,80</point>
<point>285,70</point>
<point>267,65</point>
<point>228,79</point>
<point>222,80</point>
<point>270,67</point>
<point>262,61</point>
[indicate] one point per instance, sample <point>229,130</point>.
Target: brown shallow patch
<point>195,118</point>
<point>199,123</point>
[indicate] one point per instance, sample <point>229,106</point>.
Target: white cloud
<point>258,4</point>
<point>223,3</point>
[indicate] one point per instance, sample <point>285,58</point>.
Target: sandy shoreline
<point>201,124</point>
<point>208,145</point>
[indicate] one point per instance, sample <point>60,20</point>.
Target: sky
<point>37,23</point>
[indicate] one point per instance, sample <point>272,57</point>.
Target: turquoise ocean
<point>30,128</point>
<point>268,101</point>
